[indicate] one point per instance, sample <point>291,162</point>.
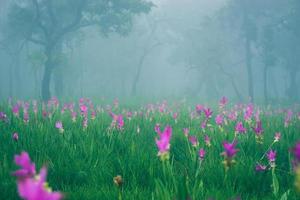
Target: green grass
<point>82,164</point>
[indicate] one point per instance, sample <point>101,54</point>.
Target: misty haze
<point>149,99</point>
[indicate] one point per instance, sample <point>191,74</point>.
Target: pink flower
<point>27,167</point>
<point>249,112</point>
<point>199,108</point>
<point>83,109</point>
<point>260,167</point>
<point>207,140</point>
<point>271,155</point>
<point>219,119</point>
<point>59,126</point>
<point>223,102</point>
<point>258,128</point>
<point>186,132</point>
<point>239,128</point>
<point>229,149</point>
<point>277,137</point>
<point>120,121</point>
<point>201,153</point>
<point>35,188</point>
<point>163,143</point>
<point>16,110</point>
<point>15,137</point>
<point>208,112</point>
<point>194,141</point>
<point>232,115</point>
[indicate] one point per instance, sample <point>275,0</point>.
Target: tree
<point>48,23</point>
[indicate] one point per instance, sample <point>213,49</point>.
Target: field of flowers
<point>166,150</point>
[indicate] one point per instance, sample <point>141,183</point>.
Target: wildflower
<point>93,114</point>
<point>59,126</point>
<point>296,152</point>
<point>258,132</point>
<point>73,115</point>
<point>186,132</point>
<point>163,143</point>
<point>271,155</point>
<point>223,102</point>
<point>85,123</point>
<point>239,128</point>
<point>201,154</point>
<point>229,149</point>
<point>15,137</point>
<point>260,167</point>
<point>27,167</point>
<point>219,119</point>
<point>288,118</point>
<point>199,109</point>
<point>120,121</point>
<point>277,137</point>
<point>249,112</point>
<point>32,186</point>
<point>36,188</point>
<point>16,110</point>
<point>194,141</point>
<point>208,112</point>
<point>229,152</point>
<point>25,116</point>
<point>83,109</point>
<point>207,140</point>
<point>232,116</point>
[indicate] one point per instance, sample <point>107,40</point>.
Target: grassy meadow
<point>84,152</point>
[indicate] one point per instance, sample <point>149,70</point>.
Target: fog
<point>247,50</point>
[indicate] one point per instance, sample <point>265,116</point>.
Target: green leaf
<point>285,195</point>
<point>275,183</point>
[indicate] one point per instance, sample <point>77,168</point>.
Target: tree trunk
<point>249,69</point>
<point>293,90</point>
<point>47,75</point>
<point>59,83</point>
<point>138,74</point>
<point>265,74</point>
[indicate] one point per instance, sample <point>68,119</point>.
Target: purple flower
<point>120,121</point>
<point>219,119</point>
<point>271,155</point>
<point>239,128</point>
<point>27,167</point>
<point>59,126</point>
<point>15,137</point>
<point>199,109</point>
<point>208,112</point>
<point>296,151</point>
<point>201,153</point>
<point>193,140</point>
<point>260,167</point>
<point>223,102</point>
<point>258,128</point>
<point>229,149</point>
